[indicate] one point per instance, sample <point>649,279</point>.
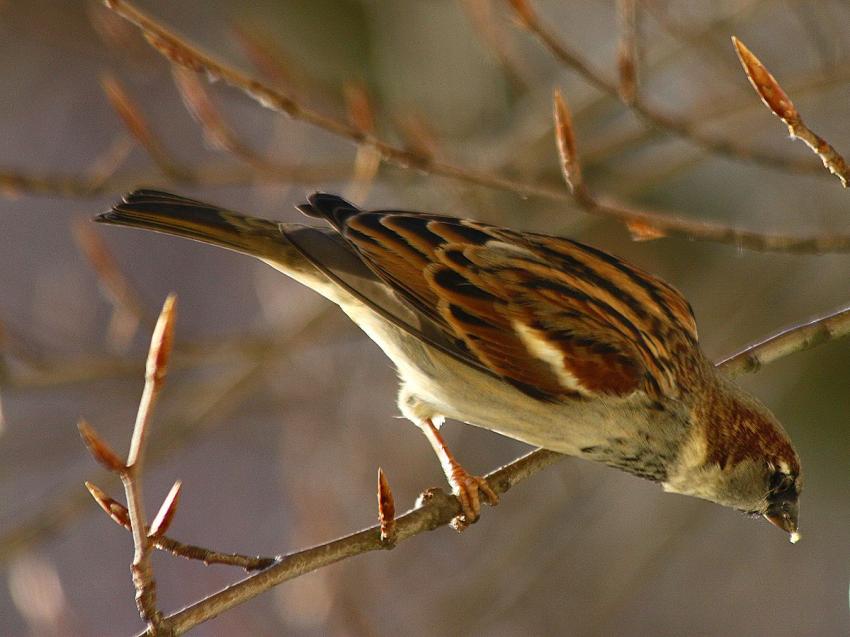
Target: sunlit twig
<point>681,127</point>
<point>180,52</point>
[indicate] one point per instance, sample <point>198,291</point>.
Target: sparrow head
<point>738,455</point>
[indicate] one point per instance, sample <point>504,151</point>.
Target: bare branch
<point>217,132</point>
<point>645,226</point>
<point>788,341</point>
<point>417,135</point>
<point>110,160</point>
<point>131,472</point>
<point>180,52</point>
<point>119,514</point>
<point>264,55</point>
<point>434,509</point>
<point>155,371</point>
<point>679,127</point>
<point>223,397</point>
<point>14,183</point>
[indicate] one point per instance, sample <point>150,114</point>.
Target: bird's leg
<point>464,485</point>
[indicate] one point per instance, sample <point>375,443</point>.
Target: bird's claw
<point>468,490</point>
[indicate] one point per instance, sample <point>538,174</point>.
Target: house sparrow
<point>539,338</point>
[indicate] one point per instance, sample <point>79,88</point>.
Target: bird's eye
<point>782,485</point>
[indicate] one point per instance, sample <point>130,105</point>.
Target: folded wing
<point>549,315</point>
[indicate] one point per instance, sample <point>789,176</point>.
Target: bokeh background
<point>278,411</point>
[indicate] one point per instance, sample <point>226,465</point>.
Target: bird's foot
<point>469,490</point>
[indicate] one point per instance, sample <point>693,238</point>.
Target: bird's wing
<point>549,315</point>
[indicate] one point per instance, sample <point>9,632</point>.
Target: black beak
<point>784,516</point>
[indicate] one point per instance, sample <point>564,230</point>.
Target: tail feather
<point>317,257</point>
<point>172,214</point>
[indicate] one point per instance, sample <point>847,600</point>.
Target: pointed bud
<point>113,508</point>
<point>166,513</point>
<point>566,140</point>
<point>98,448</point>
<point>386,509</point>
<point>765,84</point>
<point>161,341</point>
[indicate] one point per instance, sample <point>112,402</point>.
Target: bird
<point>540,338</point>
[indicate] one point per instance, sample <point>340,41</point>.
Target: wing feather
<point>552,316</point>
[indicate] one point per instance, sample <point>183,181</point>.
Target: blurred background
<point>278,411</point>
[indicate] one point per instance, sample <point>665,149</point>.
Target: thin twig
<point>780,104</point>
<point>713,109</point>
<point>679,127</point>
<point>59,511</point>
<point>180,52</point>
<point>627,51</point>
<point>217,131</point>
<point>187,355</point>
<point>131,471</point>
<point>155,370</point>
<point>644,226</point>
<point>788,341</point>
<point>13,182</point>
<point>434,509</point>
<point>261,49</point>
<point>119,514</point>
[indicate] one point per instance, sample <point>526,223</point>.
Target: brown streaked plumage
<point>540,338</point>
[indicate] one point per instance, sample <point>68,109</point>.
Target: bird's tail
<point>176,215</point>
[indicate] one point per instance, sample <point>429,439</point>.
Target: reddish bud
<point>98,448</point>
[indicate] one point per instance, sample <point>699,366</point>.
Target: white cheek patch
<point>537,345</point>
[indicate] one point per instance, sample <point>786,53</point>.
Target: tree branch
<point>679,127</point>
<point>434,509</point>
<point>788,341</point>
<point>180,52</point>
